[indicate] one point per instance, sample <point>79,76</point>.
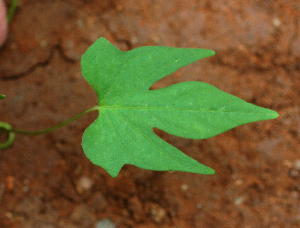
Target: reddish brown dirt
<point>46,181</point>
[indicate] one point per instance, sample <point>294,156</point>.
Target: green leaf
<point>2,96</point>
<point>128,110</point>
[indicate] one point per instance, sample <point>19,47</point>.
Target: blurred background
<point>47,182</point>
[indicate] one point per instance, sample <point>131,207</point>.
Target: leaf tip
<point>2,96</point>
<point>206,53</point>
<point>113,173</point>
<point>272,114</point>
<point>211,52</point>
<point>275,115</point>
<point>209,171</point>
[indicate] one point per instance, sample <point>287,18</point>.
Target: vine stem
<point>24,132</point>
<point>12,131</point>
<point>12,10</point>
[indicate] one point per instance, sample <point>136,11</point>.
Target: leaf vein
<point>149,78</point>
<point>128,153</point>
<point>162,152</point>
<point>123,70</point>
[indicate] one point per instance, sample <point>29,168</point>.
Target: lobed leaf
<point>128,110</point>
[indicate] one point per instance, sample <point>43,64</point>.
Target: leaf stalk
<point>8,129</point>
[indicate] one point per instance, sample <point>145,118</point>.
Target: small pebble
<point>82,217</point>
<point>44,43</point>
<point>172,213</point>
<point>238,182</point>
<point>26,181</point>
<point>25,188</point>
<point>239,200</point>
<point>84,184</point>
<point>184,187</point>
<point>276,22</point>
<point>105,223</point>
<point>80,23</point>
<point>297,165</point>
<point>157,213</point>
<point>294,173</point>
<point>295,195</point>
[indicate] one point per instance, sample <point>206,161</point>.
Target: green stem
<point>12,10</point>
<point>23,132</point>
<point>11,131</point>
<point>6,128</point>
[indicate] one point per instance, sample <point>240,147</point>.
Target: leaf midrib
<point>176,109</point>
